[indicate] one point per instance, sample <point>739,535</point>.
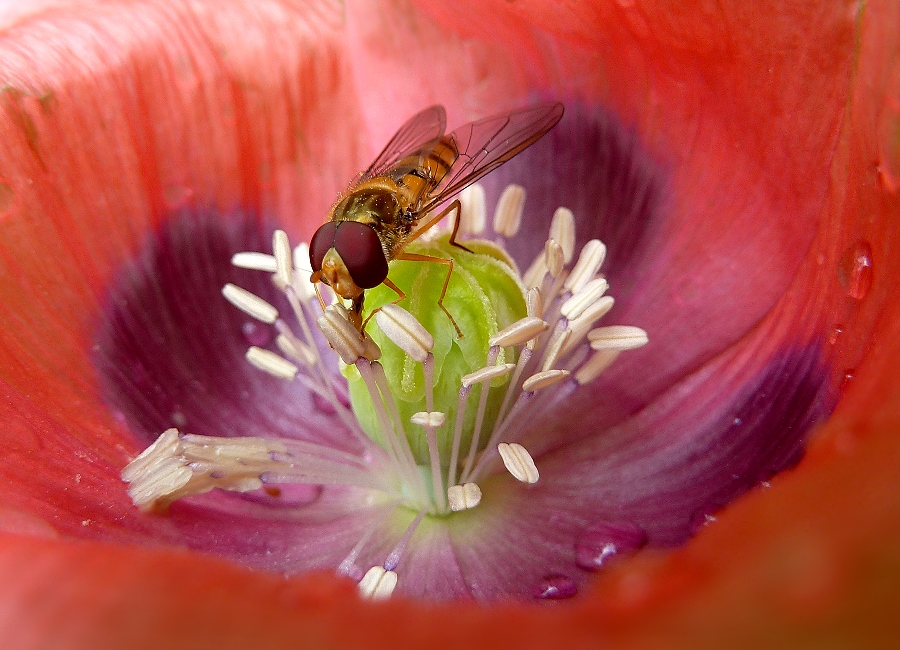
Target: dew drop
<point>602,543</point>
<point>7,198</point>
<point>556,587</point>
<point>849,376</point>
<point>256,333</point>
<point>835,334</point>
<point>855,271</point>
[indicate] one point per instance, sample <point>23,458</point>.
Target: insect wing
<point>486,144</point>
<point>421,129</point>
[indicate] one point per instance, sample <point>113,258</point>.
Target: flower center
<point>428,415</point>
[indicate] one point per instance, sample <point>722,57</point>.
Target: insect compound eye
<point>320,244</point>
<point>360,248</point>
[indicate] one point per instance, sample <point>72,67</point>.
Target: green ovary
<point>484,296</point>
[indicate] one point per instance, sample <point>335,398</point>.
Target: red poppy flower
<point>740,163</point>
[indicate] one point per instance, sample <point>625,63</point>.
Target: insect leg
<point>433,222</point>
<point>415,257</point>
<point>453,241</point>
<point>390,285</point>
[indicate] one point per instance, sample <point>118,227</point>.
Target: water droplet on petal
<point>256,333</point>
<point>556,587</point>
<point>855,271</point>
<point>849,376</point>
<point>835,334</point>
<point>604,542</point>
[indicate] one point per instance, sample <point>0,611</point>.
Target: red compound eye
<point>321,242</point>
<point>360,248</point>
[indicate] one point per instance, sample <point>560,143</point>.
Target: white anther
<point>589,262</point>
<point>473,216</point>
<point>508,214</point>
<point>617,337</point>
<point>254,261</point>
<point>463,497</point>
<point>281,248</point>
<point>536,272</point>
<point>341,334</point>
<point>555,258</point>
<point>554,347</point>
<point>377,584</point>
<point>297,350</point>
<point>534,304</point>
<point>405,331</point>
<point>593,367</point>
<point>518,462</point>
<point>586,320</point>
<point>521,331</point>
<point>584,298</point>
<point>562,230</point>
<point>250,303</point>
<point>271,363</point>
<point>486,374</point>
<point>540,380</point>
<point>433,419</point>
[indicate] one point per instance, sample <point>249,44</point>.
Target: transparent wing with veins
<point>422,129</point>
<point>486,144</point>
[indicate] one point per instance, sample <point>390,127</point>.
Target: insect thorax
<point>380,203</point>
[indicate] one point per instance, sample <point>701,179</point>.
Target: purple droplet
<point>604,542</point>
<point>256,333</point>
<point>556,587</point>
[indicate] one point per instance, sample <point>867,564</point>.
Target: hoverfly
<point>420,168</point>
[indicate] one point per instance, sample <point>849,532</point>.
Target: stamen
<point>254,261</point>
<point>176,466</point>
<point>405,331</point>
<point>520,332</point>
<point>341,334</point>
<point>562,231</point>
<point>589,262</point>
<point>508,214</point>
<point>486,374</point>
<point>473,216</point>
<point>536,272</point>
<point>544,379</point>
<point>434,419</point>
<point>377,584</point>
<point>554,347</point>
<point>534,303</point>
<point>617,337</point>
<point>555,258</point>
<point>393,559</point>
<point>302,283</point>
<point>584,298</point>
<point>250,303</point>
<point>581,325</point>
<point>281,248</point>
<point>292,347</point>
<point>593,367</point>
<point>271,363</point>
<point>518,462</point>
<point>463,497</point>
